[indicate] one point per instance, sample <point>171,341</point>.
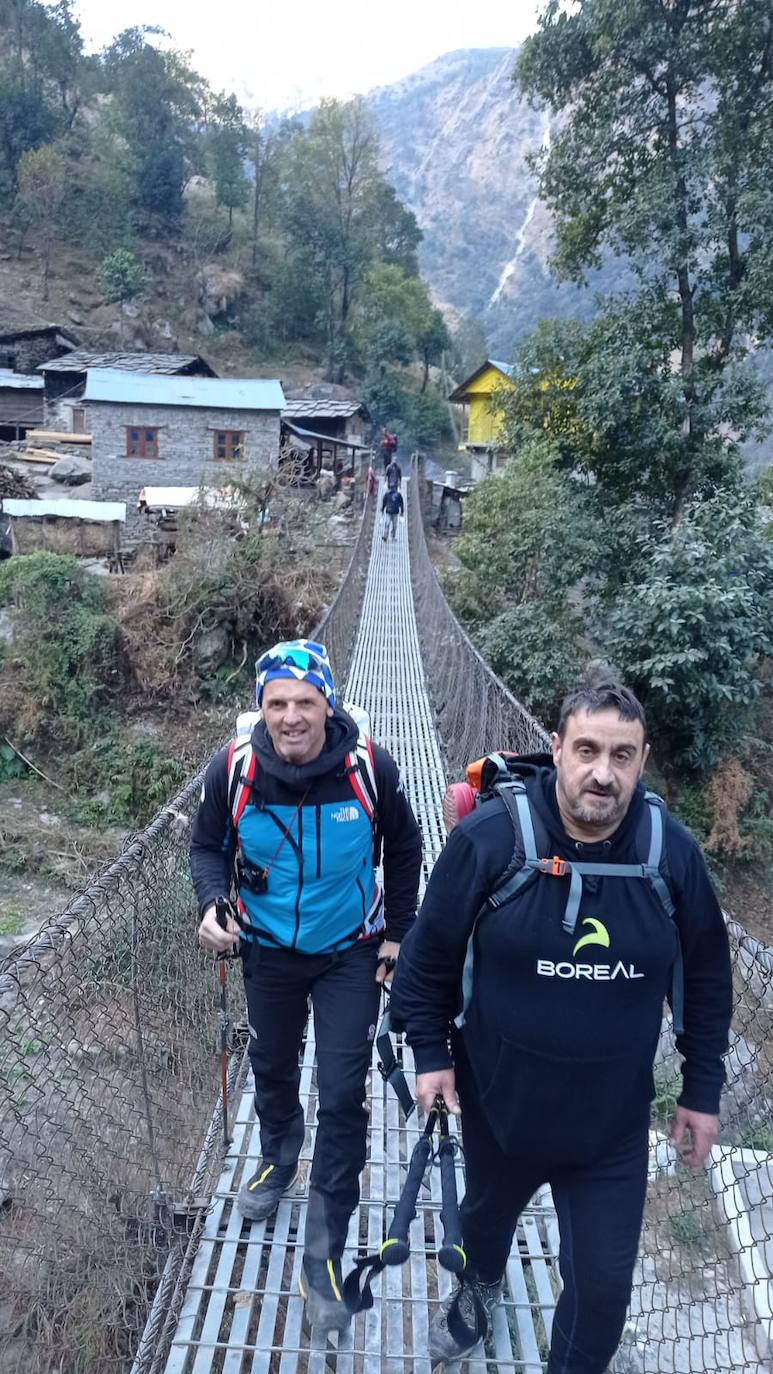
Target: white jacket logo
<point>596,973</point>
<point>346,813</point>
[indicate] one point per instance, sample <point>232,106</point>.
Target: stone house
<point>25,344</point>
<point>177,431</point>
<point>65,378</point>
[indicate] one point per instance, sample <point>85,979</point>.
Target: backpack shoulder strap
<point>361,768</point>
<point>657,871</point>
<point>524,863</point>
<point>242,768</point>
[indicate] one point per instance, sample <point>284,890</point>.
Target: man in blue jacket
<point>552,1068</point>
<point>300,809</point>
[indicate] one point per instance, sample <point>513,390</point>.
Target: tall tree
<point>666,133</point>
<point>156,100</point>
<point>227,151</point>
<point>42,189</point>
<point>41,64</point>
<point>339,210</point>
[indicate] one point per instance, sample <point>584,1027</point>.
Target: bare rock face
<point>212,650</point>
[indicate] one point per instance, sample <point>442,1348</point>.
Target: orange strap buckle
<point>557,868</point>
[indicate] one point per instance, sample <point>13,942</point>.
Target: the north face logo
<point>346,813</point>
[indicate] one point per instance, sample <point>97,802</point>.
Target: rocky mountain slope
<point>455,137</point>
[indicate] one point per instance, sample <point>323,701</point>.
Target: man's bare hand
<point>213,936</point>
<point>441,1083</point>
<point>703,1133</point>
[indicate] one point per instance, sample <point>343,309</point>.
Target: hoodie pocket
<point>564,1110</point>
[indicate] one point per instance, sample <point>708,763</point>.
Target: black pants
<point>345,997</point>
<point>599,1208</point>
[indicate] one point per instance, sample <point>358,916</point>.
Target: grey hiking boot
<point>322,1286</point>
<point>259,1196</point>
<point>442,1345</point>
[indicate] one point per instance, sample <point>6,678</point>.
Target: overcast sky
<point>289,53</point>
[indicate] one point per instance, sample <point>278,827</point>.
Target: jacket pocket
<point>563,1110</point>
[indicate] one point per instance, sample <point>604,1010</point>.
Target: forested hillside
<point>150,210</point>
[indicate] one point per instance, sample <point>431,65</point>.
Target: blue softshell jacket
<point>322,893</point>
<point>562,1029</point>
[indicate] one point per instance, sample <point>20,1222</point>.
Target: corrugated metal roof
<point>212,393</point>
<point>17,381</point>
<point>322,410</point>
<point>163,364</point>
<point>71,510</point>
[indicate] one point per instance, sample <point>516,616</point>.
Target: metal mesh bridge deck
<point>242,1312</point>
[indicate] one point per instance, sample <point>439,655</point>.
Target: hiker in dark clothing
<point>298,805</point>
<point>394,476</point>
<point>393,506</point>
<point>552,1061</point>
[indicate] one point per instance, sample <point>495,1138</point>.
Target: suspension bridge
<point>121,1248</point>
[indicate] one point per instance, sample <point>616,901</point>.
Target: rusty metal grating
<point>241,1312</point>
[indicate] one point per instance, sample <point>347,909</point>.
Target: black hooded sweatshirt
<point>322,783</point>
<point>561,1040</point>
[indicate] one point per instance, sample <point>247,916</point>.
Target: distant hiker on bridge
<point>392,506</point>
<point>302,806</point>
<point>388,446</point>
<point>559,916</point>
<point>394,476</point>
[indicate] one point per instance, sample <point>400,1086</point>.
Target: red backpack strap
<point>361,765</point>
<point>242,767</point>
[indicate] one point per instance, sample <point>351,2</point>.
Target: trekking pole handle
<point>396,1247</point>
<point>451,1254</point>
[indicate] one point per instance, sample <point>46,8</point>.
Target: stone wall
<point>185,447</point>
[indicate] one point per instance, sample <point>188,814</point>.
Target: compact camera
<point>254,879</point>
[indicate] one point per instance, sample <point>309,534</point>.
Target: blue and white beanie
<point>301,659</point>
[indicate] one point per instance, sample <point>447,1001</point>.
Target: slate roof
<point>301,409</point>
<point>153,364</point>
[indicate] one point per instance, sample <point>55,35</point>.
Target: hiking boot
<point>321,1285</point>
<point>442,1345</point>
<point>259,1196</point>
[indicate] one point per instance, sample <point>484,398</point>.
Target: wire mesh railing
<point>474,710</point>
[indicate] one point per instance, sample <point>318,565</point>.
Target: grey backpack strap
<point>654,860</point>
<point>521,868</point>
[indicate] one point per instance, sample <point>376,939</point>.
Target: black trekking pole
<point>222,911</point>
<point>451,1254</point>
<point>357,1292</point>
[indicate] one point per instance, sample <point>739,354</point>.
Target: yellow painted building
<point>480,419</point>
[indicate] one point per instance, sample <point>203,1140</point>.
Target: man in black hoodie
<point>298,807</point>
<point>563,1005</point>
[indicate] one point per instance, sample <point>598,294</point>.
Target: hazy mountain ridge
<point>455,137</point>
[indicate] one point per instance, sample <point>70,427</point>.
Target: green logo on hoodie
<point>599,936</point>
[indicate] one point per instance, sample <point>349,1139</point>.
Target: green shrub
<point>668,1087</point>
<point>136,776</point>
<point>63,661</point>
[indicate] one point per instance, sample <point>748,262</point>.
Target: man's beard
<point>609,808</point>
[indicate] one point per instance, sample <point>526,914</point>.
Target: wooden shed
<point>88,529</point>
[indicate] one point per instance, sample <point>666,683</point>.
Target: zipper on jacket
<point>319,841</point>
<point>300,880</point>
<point>362,899</point>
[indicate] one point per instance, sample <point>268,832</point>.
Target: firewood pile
<point>16,485</point>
